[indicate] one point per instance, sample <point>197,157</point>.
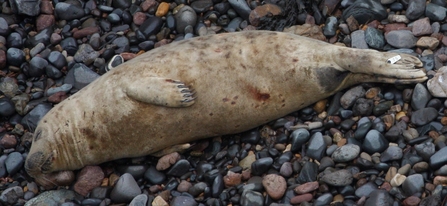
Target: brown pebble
<point>338,198</point>
<point>8,141</point>
<point>352,23</point>
<point>320,106</point>
<point>440,180</point>
<point>395,26</point>
<point>85,32</point>
<point>411,201</point>
<point>2,59</point>
<point>372,92</point>
<point>43,21</point>
<point>162,9</point>
<point>46,7</point>
<point>306,187</point>
<point>155,188</point>
<point>139,18</point>
<point>232,179</point>
<point>275,185</point>
<point>88,178</point>
<point>420,167</point>
<point>167,161</point>
<point>128,56</point>
<point>386,186</point>
<point>148,4</point>
<point>57,97</point>
<point>427,42</point>
<point>159,201</point>
<point>433,134</point>
<point>246,174</point>
<point>422,27</point>
<point>113,178</point>
<point>301,198</point>
<point>266,10</point>
<point>184,186</point>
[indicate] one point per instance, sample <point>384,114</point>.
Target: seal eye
<point>38,134</point>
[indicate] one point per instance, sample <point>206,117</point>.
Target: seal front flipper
<point>160,91</point>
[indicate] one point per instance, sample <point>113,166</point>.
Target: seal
<point>198,88</point>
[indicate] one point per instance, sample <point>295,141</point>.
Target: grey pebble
<point>349,97</point>
<point>365,11</point>
<point>425,150</point>
<point>63,88</point>
<point>299,138</point>
<point>435,12</point>
<point>30,8</point>
<point>316,146</point>
<point>126,188</point>
<point>57,59</point>
<point>37,49</point>
<point>183,201</point>
<point>438,159</point>
<point>363,107</point>
<point>86,54</point>
<point>413,184</point>
<point>67,11</point>
<point>52,197</point>
<point>139,200</point>
<point>415,9</point>
<point>401,39</point>
<point>341,177</point>
<point>424,116</point>
<point>11,195</point>
<point>250,198</point>
<point>366,189</point>
<point>14,162</point>
<point>374,142</point>
<point>241,7</point>
<point>374,38</point>
<point>31,119</point>
<point>179,168</point>
<point>420,97</point>
<point>358,40</point>
<point>346,153</point>
<point>391,153</point>
<point>15,56</point>
<point>6,107</point>
<point>379,197</point>
<point>184,17</point>
<point>80,76</point>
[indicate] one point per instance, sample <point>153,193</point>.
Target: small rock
<point>275,185</point>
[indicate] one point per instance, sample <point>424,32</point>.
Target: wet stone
<point>401,39</point>
<point>366,189</point>
<point>275,185</point>
<point>179,168</point>
<point>299,138</point>
<point>183,201</point>
<point>438,159</point>
<point>338,178</point>
<point>346,153</point>
<point>363,107</point>
<point>374,38</point>
<point>30,8</point>
<point>241,7</point>
<point>251,198</point>
<point>391,153</point>
<point>14,163</point>
<point>185,16</point>
<point>6,107</point>
<point>424,116</point>
<point>154,176</point>
<point>374,142</point>
<point>379,197</point>
<point>324,199</point>
<point>415,9</point>
<point>413,184</point>
<point>261,166</point>
<point>125,189</point>
<point>66,11</point>
<point>52,197</point>
<point>420,97</point>
<point>316,146</point>
<point>358,40</point>
<point>15,56</point>
<point>80,76</point>
<point>308,173</point>
<point>365,11</point>
<point>422,27</point>
<point>435,12</point>
<point>31,119</point>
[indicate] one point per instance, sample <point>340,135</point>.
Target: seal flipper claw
<point>161,91</point>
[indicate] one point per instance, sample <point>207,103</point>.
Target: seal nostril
<point>33,162</point>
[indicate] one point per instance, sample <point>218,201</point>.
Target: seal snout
<point>33,163</point>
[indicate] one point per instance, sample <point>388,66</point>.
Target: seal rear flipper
<point>160,91</point>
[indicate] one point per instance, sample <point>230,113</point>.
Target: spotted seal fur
<point>198,88</point>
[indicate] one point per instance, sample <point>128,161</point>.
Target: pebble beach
<point>371,144</point>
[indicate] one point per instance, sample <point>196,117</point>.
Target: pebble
<point>316,146</point>
<point>11,195</point>
<point>364,11</point>
<point>251,198</point>
<point>413,184</point>
<point>261,166</point>
<point>374,142</point>
<point>52,197</point>
<point>401,39</point>
<point>366,189</point>
<point>346,153</point>
<point>301,198</point>
<point>358,40</point>
<point>391,153</point>
<point>274,185</point>
<point>67,11</point>
<point>422,27</point>
<point>374,38</point>
<point>299,138</point>
<point>183,201</point>
<point>436,84</point>
<point>379,197</point>
<point>125,189</point>
<point>186,16</point>
<point>306,188</point>
<point>88,178</point>
<point>80,76</point>
<point>349,97</point>
<point>435,12</point>
<point>338,178</point>
<point>415,9</point>
<point>424,116</point>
